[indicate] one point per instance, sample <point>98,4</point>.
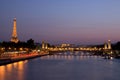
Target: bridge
<point>75,49</point>
<point>88,51</point>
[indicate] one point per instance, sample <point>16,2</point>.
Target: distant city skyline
<point>61,21</point>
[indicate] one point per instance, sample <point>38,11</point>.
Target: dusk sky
<point>61,21</point>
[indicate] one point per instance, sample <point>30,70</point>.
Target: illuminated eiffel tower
<point>14,32</point>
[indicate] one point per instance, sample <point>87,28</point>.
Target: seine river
<point>63,66</point>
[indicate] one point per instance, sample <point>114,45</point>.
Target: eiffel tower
<point>14,32</point>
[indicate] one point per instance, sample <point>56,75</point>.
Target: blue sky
<point>61,21</point>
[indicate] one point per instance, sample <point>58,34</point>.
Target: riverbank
<point>4,61</point>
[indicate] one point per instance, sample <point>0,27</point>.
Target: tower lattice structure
<point>14,32</point>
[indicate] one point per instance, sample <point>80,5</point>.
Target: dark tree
<point>30,44</point>
<point>116,46</point>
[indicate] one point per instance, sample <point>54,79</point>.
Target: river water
<point>63,66</point>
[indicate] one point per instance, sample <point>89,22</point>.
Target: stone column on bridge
<point>105,46</point>
<point>43,45</point>
<point>109,44</point>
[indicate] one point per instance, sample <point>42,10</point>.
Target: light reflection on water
<point>2,72</point>
<point>63,66</point>
<point>68,57</point>
<point>14,71</point>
